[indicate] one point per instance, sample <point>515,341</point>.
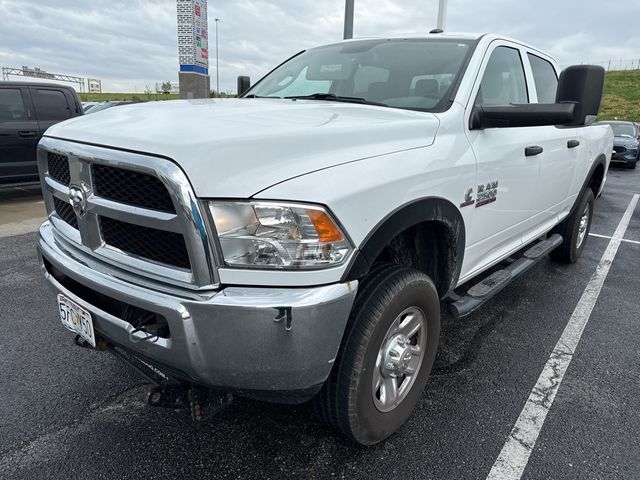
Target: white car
<point>297,243</point>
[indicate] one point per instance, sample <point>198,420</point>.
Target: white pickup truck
<point>299,242</point>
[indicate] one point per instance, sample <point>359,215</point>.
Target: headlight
<point>278,235</point>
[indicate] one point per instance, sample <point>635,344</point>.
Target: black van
<point>26,111</point>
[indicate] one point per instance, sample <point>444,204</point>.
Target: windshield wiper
<point>332,97</point>
<point>253,95</point>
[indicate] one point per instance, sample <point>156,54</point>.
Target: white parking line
<point>514,456</point>
<point>609,238</point>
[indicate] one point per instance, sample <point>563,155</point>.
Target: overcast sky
<point>132,43</point>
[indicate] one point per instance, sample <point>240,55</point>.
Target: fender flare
<point>435,209</point>
<point>600,160</point>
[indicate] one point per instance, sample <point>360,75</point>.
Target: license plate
<point>76,319</point>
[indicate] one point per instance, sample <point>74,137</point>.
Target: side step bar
<point>487,288</point>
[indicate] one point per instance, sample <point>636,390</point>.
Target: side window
<point>544,76</point>
<point>12,107</point>
<point>503,81</point>
<point>51,105</point>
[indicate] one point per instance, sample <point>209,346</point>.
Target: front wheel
<point>575,230</point>
<point>386,355</point>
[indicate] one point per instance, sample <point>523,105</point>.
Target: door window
<point>51,105</point>
<point>503,81</point>
<point>544,76</point>
<point>12,107</point>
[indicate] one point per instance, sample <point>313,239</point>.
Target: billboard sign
<point>193,42</point>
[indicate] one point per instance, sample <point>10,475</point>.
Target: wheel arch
<point>435,216</point>
<point>596,174</point>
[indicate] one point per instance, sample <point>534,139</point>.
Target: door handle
<point>533,151</point>
<point>28,134</point>
<point>573,143</point>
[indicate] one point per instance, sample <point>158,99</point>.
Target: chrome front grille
<point>135,212</point>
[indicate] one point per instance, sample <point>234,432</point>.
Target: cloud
<point>132,43</point>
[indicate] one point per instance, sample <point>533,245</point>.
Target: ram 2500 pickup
<point>299,242</point>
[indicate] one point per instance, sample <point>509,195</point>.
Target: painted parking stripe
<point>514,456</point>
<point>609,238</point>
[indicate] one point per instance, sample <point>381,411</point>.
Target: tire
<point>632,166</point>
<point>390,300</point>
<point>575,238</point>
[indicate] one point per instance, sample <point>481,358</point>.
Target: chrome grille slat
<point>140,216</point>
<point>183,228</point>
<point>57,189</point>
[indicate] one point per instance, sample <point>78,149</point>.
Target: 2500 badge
<point>487,193</point>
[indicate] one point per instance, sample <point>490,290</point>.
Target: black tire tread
<point>564,251</point>
<point>375,292</point>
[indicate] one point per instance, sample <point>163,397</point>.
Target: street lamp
<point>217,20</point>
<point>442,14</point>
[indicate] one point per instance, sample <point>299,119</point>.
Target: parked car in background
<point>625,143</point>
<point>87,105</point>
<point>26,111</point>
<point>99,106</point>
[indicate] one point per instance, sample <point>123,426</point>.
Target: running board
<point>487,288</point>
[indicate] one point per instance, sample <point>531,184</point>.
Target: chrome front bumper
<point>235,338</point>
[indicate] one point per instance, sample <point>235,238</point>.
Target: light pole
<point>217,20</point>
<point>442,14</point>
<point>348,19</point>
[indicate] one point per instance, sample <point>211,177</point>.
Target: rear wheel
<point>575,230</point>
<point>386,355</point>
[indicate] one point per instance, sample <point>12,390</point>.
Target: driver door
<point>507,172</point>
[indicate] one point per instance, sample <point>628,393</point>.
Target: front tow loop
<point>203,402</point>
<point>169,392</point>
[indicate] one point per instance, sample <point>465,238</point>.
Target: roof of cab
<point>34,84</point>
<point>466,36</point>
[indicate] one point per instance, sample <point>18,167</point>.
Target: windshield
<point>623,130</point>
<point>410,74</point>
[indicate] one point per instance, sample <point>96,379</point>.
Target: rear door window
<point>51,105</point>
<point>503,81</point>
<point>12,108</point>
<point>545,78</point>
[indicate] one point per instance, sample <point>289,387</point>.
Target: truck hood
<point>236,148</point>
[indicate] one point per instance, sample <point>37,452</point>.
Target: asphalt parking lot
<point>67,412</point>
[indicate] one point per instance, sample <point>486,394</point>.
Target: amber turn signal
<point>327,230</point>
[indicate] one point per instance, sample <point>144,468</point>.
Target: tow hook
<point>169,396</point>
<point>169,392</point>
<point>203,402</point>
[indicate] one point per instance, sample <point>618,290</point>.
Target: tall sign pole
<point>442,14</point>
<point>217,63</point>
<point>348,19</point>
